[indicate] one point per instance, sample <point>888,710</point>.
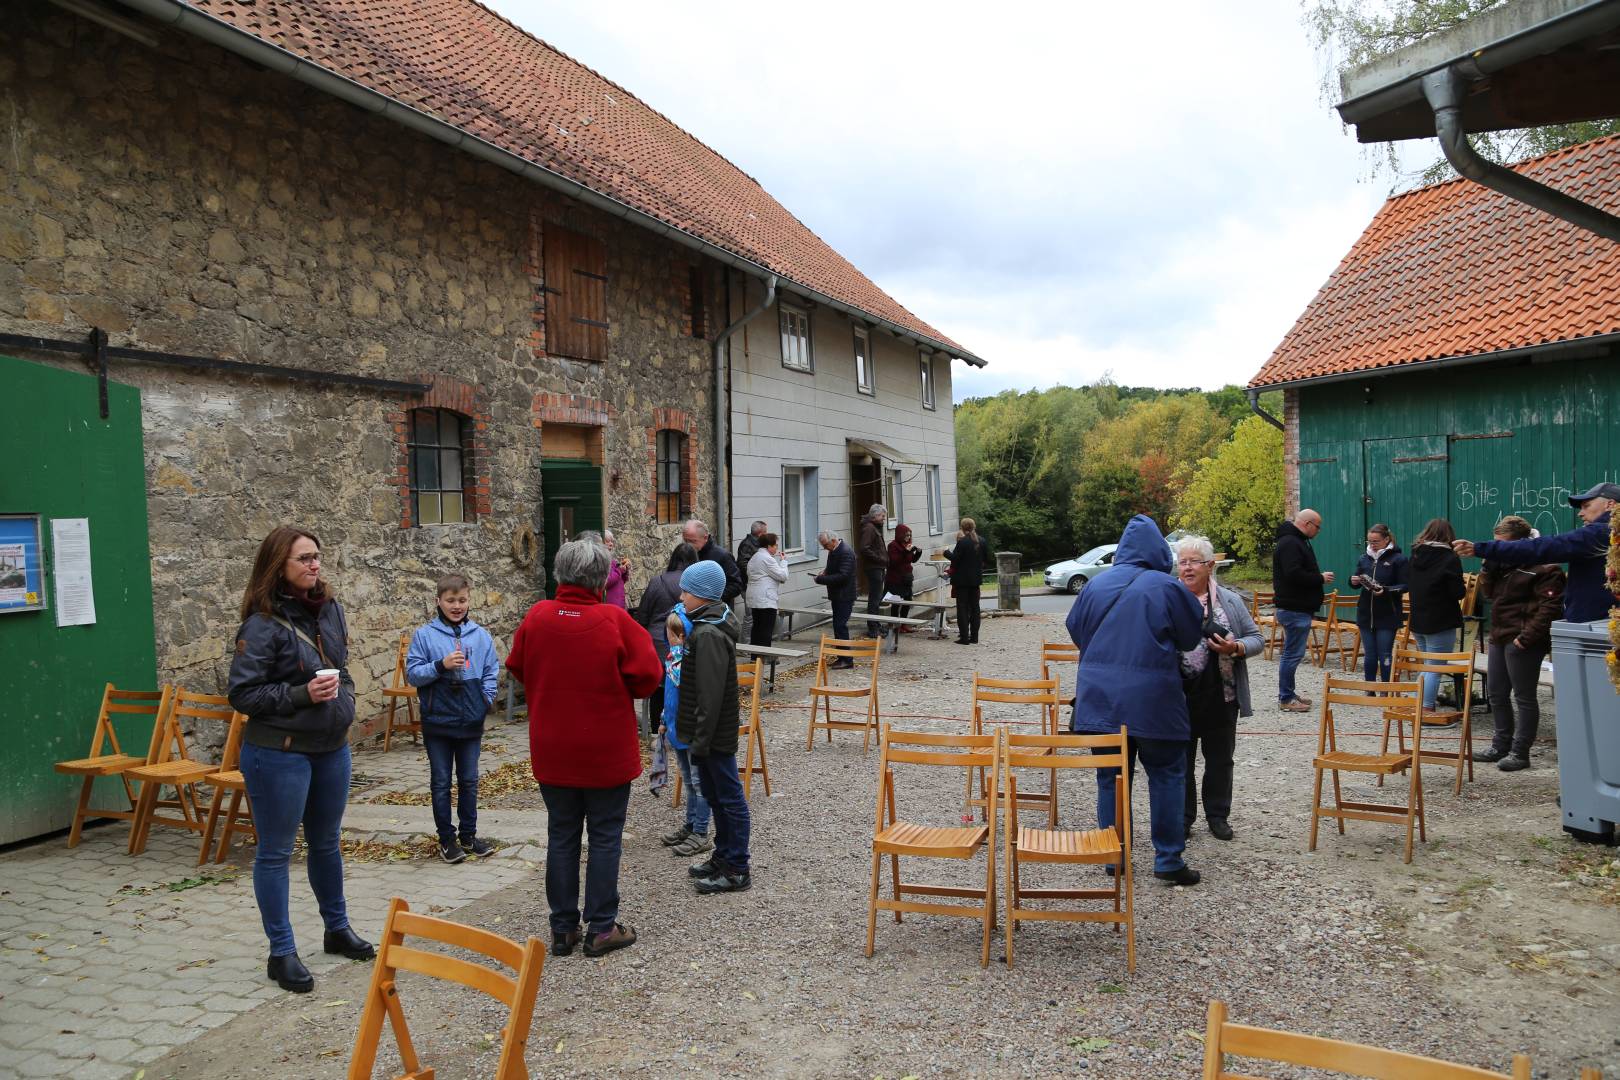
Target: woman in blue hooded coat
<point>1131,625</point>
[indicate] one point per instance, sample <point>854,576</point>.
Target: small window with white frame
<point>894,496</point>
<point>925,364</point>
<point>936,506</point>
<point>864,378</point>
<point>795,337</point>
<point>799,514</point>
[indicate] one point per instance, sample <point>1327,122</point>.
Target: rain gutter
<point>1254,406</point>
<point>1444,90</point>
<point>722,407</point>
<point>283,62</point>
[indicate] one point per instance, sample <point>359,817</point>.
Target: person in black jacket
<point>1297,583</point>
<point>746,547</point>
<point>696,533</point>
<point>1524,602</point>
<point>839,578</point>
<point>1435,587</point>
<point>295,748</point>
<point>874,558</point>
<point>968,560</point>
<point>1381,578</point>
<point>663,593</point>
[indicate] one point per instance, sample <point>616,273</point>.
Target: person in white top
<point>767,571</point>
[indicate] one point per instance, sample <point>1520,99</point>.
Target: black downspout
<point>1444,91</point>
<point>1254,406</point>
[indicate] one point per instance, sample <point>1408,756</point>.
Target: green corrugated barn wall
<point>60,459</point>
<point>1470,443</point>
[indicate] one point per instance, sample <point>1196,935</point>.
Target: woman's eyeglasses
<point>308,560</point>
<point>1194,562</point>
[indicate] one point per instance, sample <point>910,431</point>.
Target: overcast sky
<point>1067,190</point>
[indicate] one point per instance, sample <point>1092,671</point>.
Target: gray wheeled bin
<point>1588,711</point>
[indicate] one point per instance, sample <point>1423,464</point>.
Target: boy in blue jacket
<point>692,837</point>
<point>452,663</point>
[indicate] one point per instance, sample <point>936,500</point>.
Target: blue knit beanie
<point>704,580</point>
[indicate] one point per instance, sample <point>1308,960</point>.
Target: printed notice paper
<point>70,548</point>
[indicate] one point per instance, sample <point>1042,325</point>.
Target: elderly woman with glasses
<point>583,663</point>
<point>1215,676</point>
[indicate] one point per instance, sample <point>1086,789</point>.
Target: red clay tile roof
<point>463,64</point>
<point>1459,270</point>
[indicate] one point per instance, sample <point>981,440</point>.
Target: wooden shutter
<point>576,294</point>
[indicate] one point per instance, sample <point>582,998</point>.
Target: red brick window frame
<point>672,460</point>
<point>466,403</point>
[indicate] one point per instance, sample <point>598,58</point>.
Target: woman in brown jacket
<point>1524,602</point>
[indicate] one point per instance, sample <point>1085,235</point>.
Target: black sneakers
<point>1513,763</point>
<point>707,868</point>
<point>1185,876</point>
<point>670,839</point>
<point>451,852</point>
<point>478,846</point>
<point>1493,754</point>
<point>723,881</point>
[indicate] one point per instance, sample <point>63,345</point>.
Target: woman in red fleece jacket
<point>583,664</point>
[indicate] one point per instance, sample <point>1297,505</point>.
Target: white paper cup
<point>325,671</point>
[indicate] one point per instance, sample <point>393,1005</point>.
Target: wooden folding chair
<point>107,757</point>
<point>893,836</point>
<point>1315,643</point>
<point>1341,635</point>
<point>1266,619</point>
<point>397,691</point>
<point>1223,1037</point>
<point>239,816</point>
<point>174,768</point>
<point>750,680</point>
<point>1400,699</point>
<point>1411,665</point>
<point>1057,652</point>
<point>1093,847</point>
<point>1040,693</point>
<point>823,692</point>
<point>516,991</point>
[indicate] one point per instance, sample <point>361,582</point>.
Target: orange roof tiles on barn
<point>1459,270</point>
<point>458,62</point>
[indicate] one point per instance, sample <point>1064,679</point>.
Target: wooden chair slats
<point>893,837</point>
<point>1403,705</point>
<point>1081,847</point>
<point>1041,694</point>
<point>1223,1038</point>
<point>174,768</point>
<point>107,756</point>
<point>750,683</point>
<point>516,991</point>
<point>1340,634</point>
<point>398,692</point>
<point>863,651</point>
<point>1412,665</point>
<point>228,778</point>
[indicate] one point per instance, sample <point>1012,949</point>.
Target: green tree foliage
<point>1350,33</point>
<point>1109,493</point>
<point>1236,496</point>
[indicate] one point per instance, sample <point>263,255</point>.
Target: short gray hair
<point>1200,546</point>
<point>584,563</point>
<point>877,508</point>
<point>757,527</point>
<point>825,535</point>
<point>696,525</point>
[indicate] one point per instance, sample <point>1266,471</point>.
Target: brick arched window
<point>674,499</point>
<point>437,456</point>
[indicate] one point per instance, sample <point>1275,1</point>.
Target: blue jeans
<point>1439,641</point>
<point>1165,762</point>
<point>447,752</point>
<point>1380,646</point>
<point>286,787</point>
<point>723,788</point>
<point>1296,635</point>
<point>601,811</point>
<point>697,807</point>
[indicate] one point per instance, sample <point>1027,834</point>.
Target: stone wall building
<point>475,299</point>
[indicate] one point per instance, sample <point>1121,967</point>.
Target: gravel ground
<point>1501,936</point>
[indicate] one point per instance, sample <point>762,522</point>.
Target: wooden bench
<point>820,615</point>
<point>771,654</point>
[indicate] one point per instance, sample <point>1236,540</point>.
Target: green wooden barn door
<point>1406,484</point>
<point>571,498</point>
<point>1326,471</point>
<point>62,460</point>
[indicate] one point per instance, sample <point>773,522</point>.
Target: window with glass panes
<point>863,361</point>
<point>437,480</point>
<point>793,537</point>
<point>795,337</point>
<point>672,500</point>
<point>925,363</point>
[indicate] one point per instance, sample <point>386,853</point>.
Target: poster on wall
<point>70,553</point>
<point>22,586</point>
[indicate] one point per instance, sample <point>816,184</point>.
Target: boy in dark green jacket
<point>706,721</point>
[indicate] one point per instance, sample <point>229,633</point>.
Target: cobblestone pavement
<point>111,961</point>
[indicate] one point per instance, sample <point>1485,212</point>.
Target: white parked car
<point>1073,574</point>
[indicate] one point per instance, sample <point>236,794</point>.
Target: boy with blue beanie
<point>692,838</point>
<point>706,721</point>
<point>452,663</point>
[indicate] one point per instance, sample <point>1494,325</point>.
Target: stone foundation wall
<point>184,200</point>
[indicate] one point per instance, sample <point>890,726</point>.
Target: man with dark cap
<point>1586,596</point>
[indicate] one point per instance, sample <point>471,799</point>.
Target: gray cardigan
<point>1242,624</point>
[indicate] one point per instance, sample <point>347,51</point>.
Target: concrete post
<point>1008,570</point>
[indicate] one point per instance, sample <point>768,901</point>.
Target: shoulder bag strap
<point>301,636</point>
